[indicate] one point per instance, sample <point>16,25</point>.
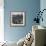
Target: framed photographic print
<point>17,18</point>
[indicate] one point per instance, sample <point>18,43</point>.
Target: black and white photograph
<point>17,18</point>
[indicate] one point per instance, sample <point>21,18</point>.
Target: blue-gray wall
<point>43,6</point>
<point>30,7</point>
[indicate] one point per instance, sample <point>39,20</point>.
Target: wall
<point>30,7</point>
<point>43,6</point>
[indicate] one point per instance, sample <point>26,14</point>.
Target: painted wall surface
<point>43,6</point>
<point>30,7</point>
